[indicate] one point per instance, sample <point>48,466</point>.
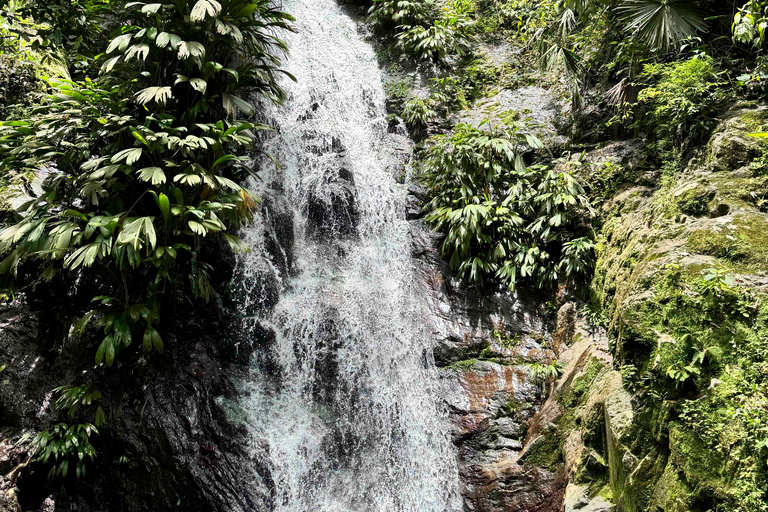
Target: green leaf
<point>99,419</point>
<point>119,43</point>
<point>156,94</point>
<point>151,9</point>
<point>165,206</point>
<point>233,103</point>
<point>155,175</point>
<point>152,340</point>
<point>198,84</point>
<point>102,351</point>
<point>248,10</point>
<point>137,50</point>
<point>163,39</point>
<point>131,156</point>
<point>80,325</point>
<point>236,243</point>
<point>188,49</point>
<point>204,8</point>
<point>108,65</point>
<point>109,356</point>
<point>136,230</point>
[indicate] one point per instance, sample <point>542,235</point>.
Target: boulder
<point>332,205</point>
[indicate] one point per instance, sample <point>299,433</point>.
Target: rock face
<point>534,105</point>
<point>168,441</point>
<point>590,441</point>
<point>486,343</point>
<point>332,205</point>
<point>659,243</point>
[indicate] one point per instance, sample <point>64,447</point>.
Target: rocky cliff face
<point>168,442</point>
<point>615,444</point>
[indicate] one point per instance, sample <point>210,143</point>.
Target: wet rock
<point>21,359</point>
<point>577,499</point>
<point>277,217</point>
<point>177,441</point>
<point>332,205</point>
<point>490,402</point>
<point>589,124</point>
<point>481,391</point>
<point>533,104</point>
<point>396,152</point>
<point>565,327</point>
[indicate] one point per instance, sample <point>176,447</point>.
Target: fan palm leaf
<point>661,24</point>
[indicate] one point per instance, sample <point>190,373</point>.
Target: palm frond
<point>661,24</point>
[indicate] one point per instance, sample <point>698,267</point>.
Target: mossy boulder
<point>731,147</point>
<point>674,268</point>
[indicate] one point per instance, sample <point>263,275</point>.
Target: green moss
<point>744,243</point>
<point>467,364</point>
<point>578,391</point>
<point>671,493</point>
<point>754,120</point>
<point>700,464</point>
<point>746,192</point>
<point>547,451</point>
<point>694,202</point>
<point>512,408</point>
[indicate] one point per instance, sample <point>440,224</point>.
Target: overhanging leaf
<point>204,8</point>
<point>155,175</point>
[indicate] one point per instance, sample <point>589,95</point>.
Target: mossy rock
<point>743,242</point>
<point>672,493</point>
<point>694,201</point>
<point>700,465</point>
<point>546,451</point>
<point>731,147</point>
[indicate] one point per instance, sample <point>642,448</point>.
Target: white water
<point>353,422</point>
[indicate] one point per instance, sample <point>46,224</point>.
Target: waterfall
<point>350,410</point>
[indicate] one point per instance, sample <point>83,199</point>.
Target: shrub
<point>681,105</point>
<point>141,162</point>
<point>423,29</point>
<point>63,444</point>
<point>502,219</point>
<point>388,14</point>
<point>417,113</point>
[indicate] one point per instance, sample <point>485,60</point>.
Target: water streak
<point>353,422</point>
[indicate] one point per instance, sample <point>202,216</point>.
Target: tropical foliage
<point>423,29</point>
<point>683,98</point>
<point>141,162</point>
<point>502,219</point>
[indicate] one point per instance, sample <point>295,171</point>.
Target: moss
<point>700,464</point>
<point>671,493</point>
<point>749,192</point>
<point>547,451</point>
<point>745,242</point>
<point>694,202</point>
<point>578,391</point>
<point>512,408</point>
<point>754,120</point>
<point>606,493</point>
<point>467,364</point>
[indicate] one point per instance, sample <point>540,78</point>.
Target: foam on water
<point>354,423</point>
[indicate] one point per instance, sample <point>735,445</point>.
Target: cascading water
<point>350,409</point>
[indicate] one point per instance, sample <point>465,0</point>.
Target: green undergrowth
<point>700,343</point>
